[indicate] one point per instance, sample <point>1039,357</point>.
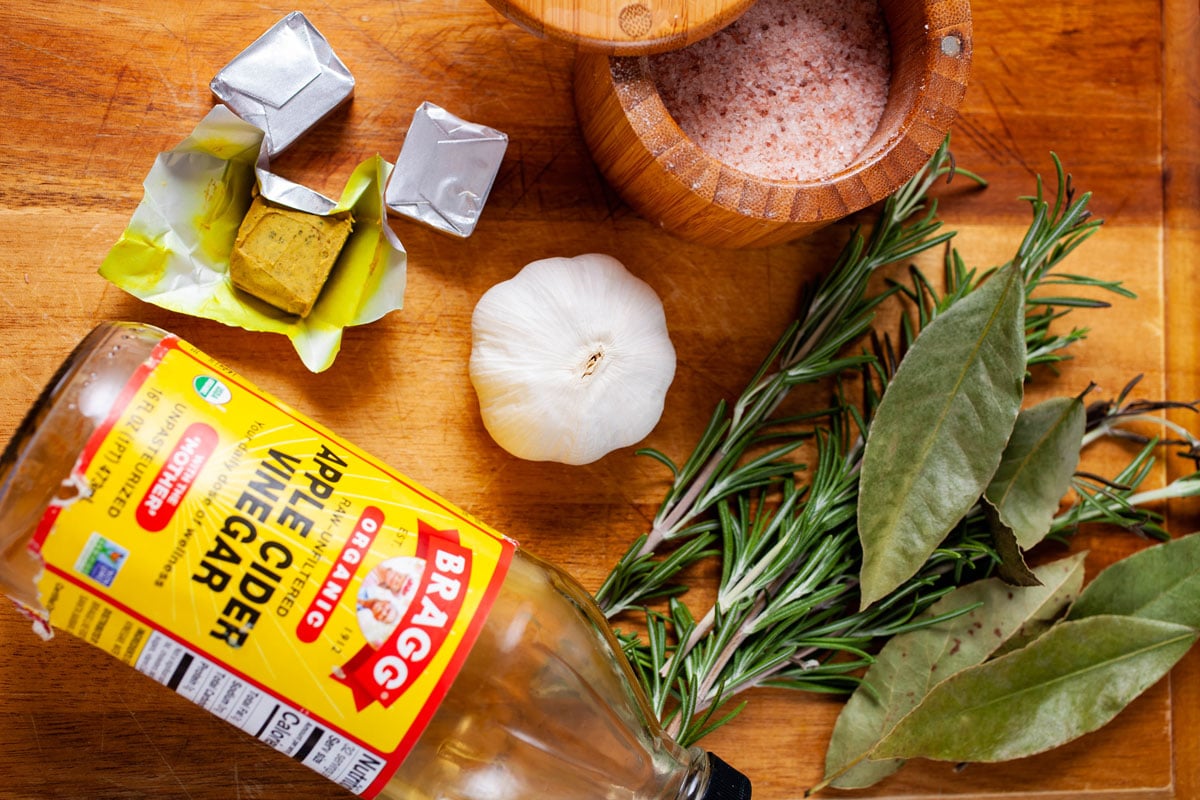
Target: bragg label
<point>252,561</point>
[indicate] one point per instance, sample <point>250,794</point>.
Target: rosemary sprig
<point>786,611</point>
<point>837,313</point>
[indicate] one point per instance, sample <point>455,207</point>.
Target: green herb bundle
<point>886,524</point>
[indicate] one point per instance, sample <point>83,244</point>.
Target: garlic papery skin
<point>570,359</point>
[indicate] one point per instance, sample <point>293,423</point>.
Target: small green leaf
<point>1012,568</point>
<point>1068,682</point>
<point>1055,608</point>
<point>1036,467</point>
<point>909,665</point>
<point>1160,582</point>
<point>938,433</point>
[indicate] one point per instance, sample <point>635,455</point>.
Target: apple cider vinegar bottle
<point>164,509</point>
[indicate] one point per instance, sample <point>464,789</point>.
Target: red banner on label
<point>339,577</point>
<point>176,477</point>
<point>384,675</point>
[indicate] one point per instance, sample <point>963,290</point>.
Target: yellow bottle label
<point>279,577</point>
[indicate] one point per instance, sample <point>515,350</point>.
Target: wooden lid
<point>623,27</point>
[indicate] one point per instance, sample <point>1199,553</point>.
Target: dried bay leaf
<point>938,433</point>
<point>1036,467</point>
<point>1161,582</point>
<point>910,664</point>
<point>1012,568</point>
<point>1052,612</point>
<point>1068,682</point>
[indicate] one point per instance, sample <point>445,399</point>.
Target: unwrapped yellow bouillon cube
<point>284,256</point>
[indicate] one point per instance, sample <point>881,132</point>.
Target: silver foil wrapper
<point>286,82</point>
<point>445,170</point>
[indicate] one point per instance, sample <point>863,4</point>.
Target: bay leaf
<point>1161,582</point>
<point>1070,681</point>
<point>936,438</point>
<point>910,664</point>
<point>1012,568</point>
<point>1036,467</point>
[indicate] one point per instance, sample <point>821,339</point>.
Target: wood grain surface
<point>90,93</point>
<point>620,26</point>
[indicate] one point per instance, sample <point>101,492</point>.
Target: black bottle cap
<point>725,782</point>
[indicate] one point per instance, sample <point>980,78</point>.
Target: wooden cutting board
<point>91,93</point>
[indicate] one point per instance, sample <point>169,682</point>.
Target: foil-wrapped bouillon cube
<point>285,82</point>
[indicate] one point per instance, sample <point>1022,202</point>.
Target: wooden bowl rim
<point>584,29</point>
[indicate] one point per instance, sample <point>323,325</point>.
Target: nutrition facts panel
<point>259,713</point>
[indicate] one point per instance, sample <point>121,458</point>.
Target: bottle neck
<point>37,462</point>
<point>711,778</point>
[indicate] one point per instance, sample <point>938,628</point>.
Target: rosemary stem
<point>682,510</point>
<point>1171,491</point>
<point>1110,427</point>
<point>705,694</point>
<point>698,633</point>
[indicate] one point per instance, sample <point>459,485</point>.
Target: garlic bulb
<point>570,359</point>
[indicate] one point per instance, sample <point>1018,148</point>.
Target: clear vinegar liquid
<point>544,708</point>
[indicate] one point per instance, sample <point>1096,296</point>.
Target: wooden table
<point>91,92</point>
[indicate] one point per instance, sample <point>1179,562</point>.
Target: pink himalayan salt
<point>792,90</point>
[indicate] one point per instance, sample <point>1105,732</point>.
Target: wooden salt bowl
<point>669,180</point>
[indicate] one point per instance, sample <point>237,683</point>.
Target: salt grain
<point>792,90</point>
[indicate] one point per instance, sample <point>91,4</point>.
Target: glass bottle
<point>544,704</point>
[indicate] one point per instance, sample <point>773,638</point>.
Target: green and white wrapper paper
<point>175,251</point>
